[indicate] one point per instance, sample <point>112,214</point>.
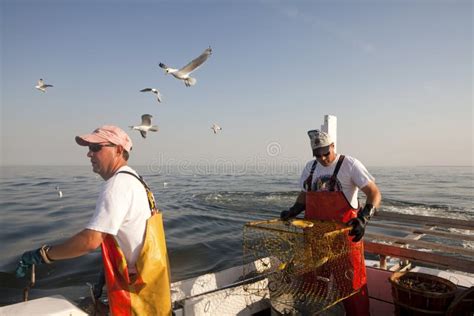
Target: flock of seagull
<point>182,74</point>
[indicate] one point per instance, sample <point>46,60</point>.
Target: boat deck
<point>435,246</point>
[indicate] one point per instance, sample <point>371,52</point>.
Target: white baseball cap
<point>320,141</point>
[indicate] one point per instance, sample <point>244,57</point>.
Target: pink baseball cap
<point>106,133</point>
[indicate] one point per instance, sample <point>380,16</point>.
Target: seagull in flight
<point>145,126</point>
<point>183,73</point>
<point>216,128</point>
<point>155,91</point>
<point>42,86</point>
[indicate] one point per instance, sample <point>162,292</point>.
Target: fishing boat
<point>424,245</point>
<point>431,248</point>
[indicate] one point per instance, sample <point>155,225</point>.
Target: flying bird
<point>183,73</point>
<point>145,126</point>
<point>155,91</point>
<point>216,128</point>
<point>42,86</point>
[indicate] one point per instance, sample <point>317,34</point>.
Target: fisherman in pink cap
<point>128,227</point>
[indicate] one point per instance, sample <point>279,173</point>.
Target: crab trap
<point>307,263</point>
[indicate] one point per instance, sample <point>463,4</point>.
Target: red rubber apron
<point>148,291</point>
<point>333,205</point>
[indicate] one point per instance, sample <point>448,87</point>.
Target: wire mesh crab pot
<point>306,263</point>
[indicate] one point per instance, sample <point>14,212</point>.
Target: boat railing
<point>427,240</point>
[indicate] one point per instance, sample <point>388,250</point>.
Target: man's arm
<point>372,201</point>
<point>78,245</point>
<point>301,198</point>
<point>372,193</point>
<point>297,208</point>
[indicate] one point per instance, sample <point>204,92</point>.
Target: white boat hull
<point>225,293</point>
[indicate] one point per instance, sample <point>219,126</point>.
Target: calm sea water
<point>204,209</point>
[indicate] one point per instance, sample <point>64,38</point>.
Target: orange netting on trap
<point>306,263</point>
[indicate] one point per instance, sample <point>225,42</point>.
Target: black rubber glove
<point>358,223</point>
<point>29,258</point>
<point>292,211</point>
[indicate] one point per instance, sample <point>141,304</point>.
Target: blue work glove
<point>292,211</point>
<point>358,223</point>
<point>29,258</point>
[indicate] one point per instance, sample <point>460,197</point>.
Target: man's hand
<point>285,215</point>
<point>358,228</point>
<point>292,211</point>
<point>28,259</point>
<point>358,224</point>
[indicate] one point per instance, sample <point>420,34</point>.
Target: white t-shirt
<point>351,177</point>
<point>122,211</point>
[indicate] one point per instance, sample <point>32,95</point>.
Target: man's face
<point>325,156</point>
<point>103,159</point>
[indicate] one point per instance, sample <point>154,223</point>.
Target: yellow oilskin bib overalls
<point>148,291</point>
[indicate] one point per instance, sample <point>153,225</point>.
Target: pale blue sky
<point>397,74</point>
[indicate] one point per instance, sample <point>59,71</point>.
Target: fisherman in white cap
<point>126,225</point>
<point>329,187</point>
